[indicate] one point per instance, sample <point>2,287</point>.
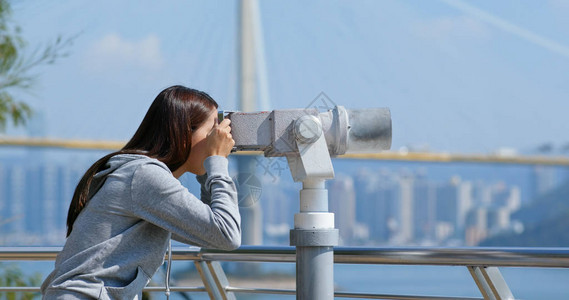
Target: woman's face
<point>198,154</point>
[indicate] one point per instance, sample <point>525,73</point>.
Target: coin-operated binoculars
<point>308,139</point>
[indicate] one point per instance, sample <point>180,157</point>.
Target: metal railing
<point>482,263</point>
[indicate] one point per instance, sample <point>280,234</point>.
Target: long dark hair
<point>165,134</point>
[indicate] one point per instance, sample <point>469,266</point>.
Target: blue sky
<point>458,76</point>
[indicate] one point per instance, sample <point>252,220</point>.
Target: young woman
<point>129,203</point>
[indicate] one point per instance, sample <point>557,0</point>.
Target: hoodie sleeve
<point>159,198</point>
<point>205,194</point>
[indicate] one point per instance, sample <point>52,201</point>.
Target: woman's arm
<point>159,198</point>
<point>205,194</point>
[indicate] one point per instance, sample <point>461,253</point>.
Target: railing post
<point>491,283</point>
<point>220,280</point>
<point>207,279</point>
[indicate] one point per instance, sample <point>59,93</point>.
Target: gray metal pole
<point>315,272</point>
<point>314,237</point>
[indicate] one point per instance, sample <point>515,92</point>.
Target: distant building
<point>424,208</point>
<point>492,213</point>
<point>365,187</point>
<point>385,198</point>
<point>506,197</point>
<point>342,199</point>
<point>454,200</point>
<point>405,212</point>
<point>279,202</point>
<point>481,194</point>
<point>13,199</point>
<point>34,199</point>
<point>498,220</point>
<point>476,226</point>
<point>377,194</point>
<point>542,180</point>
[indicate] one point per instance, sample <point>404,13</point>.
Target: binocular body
<point>278,132</point>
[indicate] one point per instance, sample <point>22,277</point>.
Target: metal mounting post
<point>308,138</point>
<point>314,234</point>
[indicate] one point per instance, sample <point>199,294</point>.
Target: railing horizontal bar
<point>397,297</point>
<point>27,289</point>
<point>175,289</point>
<point>29,253</point>
<point>34,289</point>
<point>346,294</point>
<point>50,253</point>
<point>499,257</point>
<point>266,291</point>
<point>259,291</point>
<point>253,254</point>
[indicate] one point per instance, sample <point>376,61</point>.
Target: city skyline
<point>389,204</point>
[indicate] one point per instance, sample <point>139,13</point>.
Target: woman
<point>129,203</point>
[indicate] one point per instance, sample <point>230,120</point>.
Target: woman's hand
<point>219,139</point>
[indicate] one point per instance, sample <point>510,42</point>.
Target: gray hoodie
<point>120,238</point>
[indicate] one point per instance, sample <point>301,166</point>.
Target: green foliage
<point>18,111</point>
<point>146,296</point>
<point>11,275</point>
<point>16,67</point>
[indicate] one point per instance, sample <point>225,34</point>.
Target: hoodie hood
<point>112,165</point>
